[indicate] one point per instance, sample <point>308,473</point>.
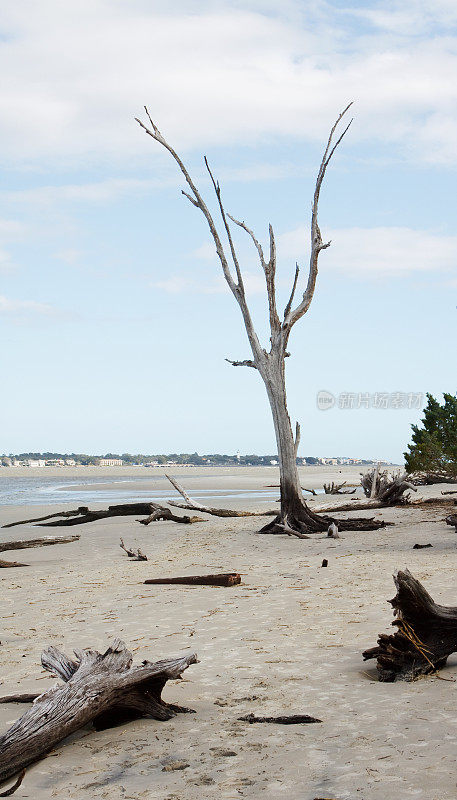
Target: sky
<point>115,321</point>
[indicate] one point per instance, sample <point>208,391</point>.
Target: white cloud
<point>14,307</point>
<point>376,251</point>
<point>93,192</point>
<point>224,73</point>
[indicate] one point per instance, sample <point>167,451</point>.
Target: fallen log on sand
<point>292,719</point>
<point>220,579</point>
<point>426,634</point>
<point>82,515</point>
<point>367,505</point>
<point>22,544</point>
<point>103,689</point>
<point>193,505</point>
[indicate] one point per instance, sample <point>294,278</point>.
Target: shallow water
<point>53,491</point>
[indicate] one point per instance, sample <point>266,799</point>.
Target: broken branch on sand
<point>82,515</point>
<point>15,786</point>
<point>193,505</point>
<point>137,555</point>
<point>104,689</point>
<point>426,634</point>
<point>219,579</point>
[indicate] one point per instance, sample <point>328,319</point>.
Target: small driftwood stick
<point>219,579</point>
<point>137,555</point>
<point>452,520</point>
<point>421,546</point>
<point>193,505</point>
<point>6,564</point>
<point>426,634</point>
<point>14,787</point>
<point>292,719</point>
<point>103,689</point>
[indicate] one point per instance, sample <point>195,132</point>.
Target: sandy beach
<point>287,640</point>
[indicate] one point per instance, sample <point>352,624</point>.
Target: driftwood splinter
<point>219,579</point>
<point>426,634</point>
<point>102,689</point>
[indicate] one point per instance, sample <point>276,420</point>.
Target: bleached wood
<point>95,685</point>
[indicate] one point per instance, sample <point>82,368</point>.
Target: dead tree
<point>102,689</point>
<point>426,634</point>
<point>388,488</point>
<point>270,363</point>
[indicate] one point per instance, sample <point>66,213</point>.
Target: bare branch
<point>269,268</point>
<point>246,363</point>
<point>291,298</point>
<point>196,199</point>
<point>316,239</point>
<point>297,437</point>
<point>199,202</point>
<point>250,233</point>
<point>217,190</point>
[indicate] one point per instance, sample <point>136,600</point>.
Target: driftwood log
<point>219,579</point>
<point>430,478</point>
<point>100,689</point>
<point>291,719</point>
<point>389,489</point>
<point>24,543</point>
<point>193,505</point>
<point>81,515</point>
<point>426,634</point>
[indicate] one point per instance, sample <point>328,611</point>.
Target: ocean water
<point>83,491</point>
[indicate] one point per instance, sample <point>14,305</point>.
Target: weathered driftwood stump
<point>426,634</point>
<point>103,689</point>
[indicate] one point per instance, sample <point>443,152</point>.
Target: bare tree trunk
<point>294,513</point>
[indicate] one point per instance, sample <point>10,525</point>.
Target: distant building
<point>70,462</point>
<point>35,463</point>
<point>110,462</point>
